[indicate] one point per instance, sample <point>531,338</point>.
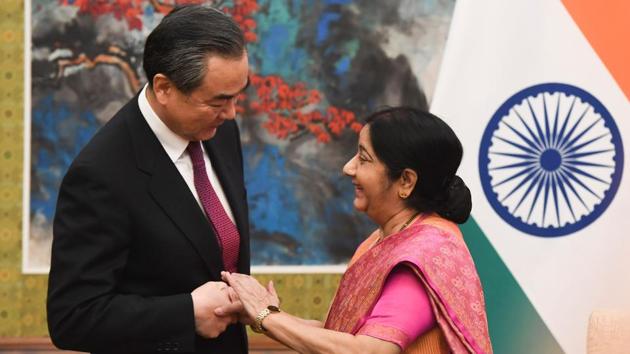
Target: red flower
<point>250,37</point>
<point>356,126</point>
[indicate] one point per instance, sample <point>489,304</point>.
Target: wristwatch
<point>257,325</point>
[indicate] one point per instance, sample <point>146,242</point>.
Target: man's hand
<point>235,308</point>
<point>205,299</point>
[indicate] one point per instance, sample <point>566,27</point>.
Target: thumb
<point>229,309</point>
<point>271,288</point>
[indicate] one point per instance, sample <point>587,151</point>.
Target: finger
<point>238,283</point>
<point>232,279</point>
<point>229,309</point>
<point>228,277</point>
<point>272,289</point>
<point>232,294</point>
<point>232,282</point>
<point>222,286</point>
<point>239,276</point>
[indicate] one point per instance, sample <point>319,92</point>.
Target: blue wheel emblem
<point>551,160</point>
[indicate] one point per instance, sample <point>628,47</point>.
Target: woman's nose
<point>349,167</point>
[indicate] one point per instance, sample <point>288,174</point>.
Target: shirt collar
<point>173,144</point>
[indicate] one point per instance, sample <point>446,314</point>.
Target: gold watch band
<point>257,325</point>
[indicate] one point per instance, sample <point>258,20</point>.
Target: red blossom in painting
<point>133,10</point>
<point>293,110</point>
<point>242,13</point>
<point>129,10</point>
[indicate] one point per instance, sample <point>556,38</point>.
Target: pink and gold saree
<point>435,250</point>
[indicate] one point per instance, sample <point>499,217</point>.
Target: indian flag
<point>538,91</point>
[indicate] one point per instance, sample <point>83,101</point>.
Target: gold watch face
<point>273,308</point>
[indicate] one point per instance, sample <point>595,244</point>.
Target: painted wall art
<point>318,68</point>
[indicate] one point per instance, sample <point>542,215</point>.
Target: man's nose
<point>229,111</point>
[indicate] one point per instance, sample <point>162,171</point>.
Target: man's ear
<point>163,88</point>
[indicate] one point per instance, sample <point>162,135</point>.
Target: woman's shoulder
<point>430,239</point>
<point>369,241</point>
<point>441,224</point>
<point>365,245</point>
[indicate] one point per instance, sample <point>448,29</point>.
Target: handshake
<point>238,298</point>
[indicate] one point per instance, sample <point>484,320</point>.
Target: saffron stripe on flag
<point>606,26</point>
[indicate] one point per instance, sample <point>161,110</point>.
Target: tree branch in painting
<point>115,56</point>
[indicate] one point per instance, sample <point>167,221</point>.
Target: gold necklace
<point>381,236</point>
<point>409,221</point>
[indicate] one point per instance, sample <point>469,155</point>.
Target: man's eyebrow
<point>224,96</point>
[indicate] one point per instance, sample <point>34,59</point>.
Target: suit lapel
<point>171,192</point>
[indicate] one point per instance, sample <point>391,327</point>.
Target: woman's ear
<point>407,182</point>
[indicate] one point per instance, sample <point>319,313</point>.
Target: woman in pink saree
<point>411,286</point>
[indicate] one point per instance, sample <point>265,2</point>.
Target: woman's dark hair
<point>405,137</point>
<point>179,46</point>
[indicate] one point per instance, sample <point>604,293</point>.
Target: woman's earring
<point>402,195</point>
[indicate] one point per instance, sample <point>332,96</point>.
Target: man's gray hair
<point>179,46</point>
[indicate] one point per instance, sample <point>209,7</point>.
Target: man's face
<point>197,115</point>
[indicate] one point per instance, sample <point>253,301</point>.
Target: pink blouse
<point>403,312</point>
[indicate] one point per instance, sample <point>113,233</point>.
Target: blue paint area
<point>59,134</point>
<point>273,213</point>
<point>149,10</point>
<point>322,25</point>
<point>281,33</point>
<point>285,228</point>
<point>337,2</point>
<point>270,194</point>
<point>296,4</point>
<point>276,49</point>
<point>342,66</point>
<point>276,52</point>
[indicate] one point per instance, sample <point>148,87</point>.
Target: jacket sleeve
<point>91,236</point>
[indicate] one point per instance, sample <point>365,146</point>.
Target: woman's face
<point>374,193</point>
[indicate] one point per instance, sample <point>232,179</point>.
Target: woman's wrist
<point>258,326</point>
<point>270,321</point>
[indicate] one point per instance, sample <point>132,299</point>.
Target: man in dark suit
<point>148,216</point>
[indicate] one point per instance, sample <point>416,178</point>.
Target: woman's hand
<point>252,295</point>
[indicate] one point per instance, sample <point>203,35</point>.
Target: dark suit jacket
<point>131,243</point>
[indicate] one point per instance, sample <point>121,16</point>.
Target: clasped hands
<point>217,304</point>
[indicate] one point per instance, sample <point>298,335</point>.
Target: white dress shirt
<point>175,147</point>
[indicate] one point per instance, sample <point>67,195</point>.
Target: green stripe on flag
<point>515,326</point>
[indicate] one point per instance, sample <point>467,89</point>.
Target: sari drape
<point>434,248</point>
